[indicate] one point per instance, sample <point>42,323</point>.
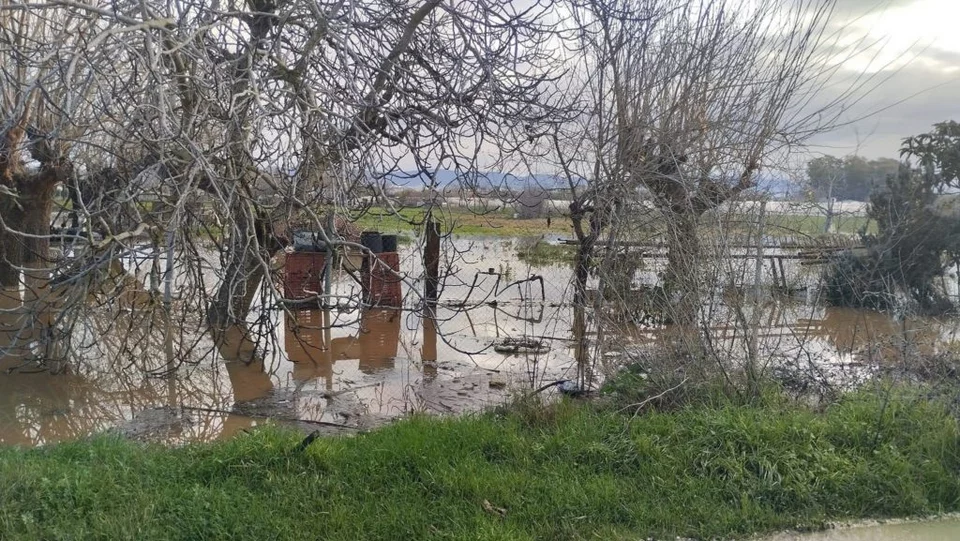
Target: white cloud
<point>898,34</point>
<point>911,48</point>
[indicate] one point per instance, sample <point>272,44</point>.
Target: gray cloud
<point>900,103</point>
<point>870,5</point>
<point>851,9</point>
<point>909,102</point>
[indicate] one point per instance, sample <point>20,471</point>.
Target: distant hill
<point>779,186</point>
<point>775,185</point>
<point>484,181</point>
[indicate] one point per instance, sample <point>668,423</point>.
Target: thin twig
<point>640,405</point>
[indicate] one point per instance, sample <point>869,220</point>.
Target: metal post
<point>328,266</point>
<point>431,260</point>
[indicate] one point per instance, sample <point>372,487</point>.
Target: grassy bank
<point>570,471</point>
<point>465,222</point>
<point>501,223</point>
<point>813,225</point>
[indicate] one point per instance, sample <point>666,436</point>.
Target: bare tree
<point>685,103</point>
<point>49,69</point>
<point>197,133</point>
<point>691,100</point>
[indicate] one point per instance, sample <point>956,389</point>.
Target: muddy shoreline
<point>942,527</point>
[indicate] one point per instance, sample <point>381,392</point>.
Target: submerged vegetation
<point>539,253</point>
<point>569,470</point>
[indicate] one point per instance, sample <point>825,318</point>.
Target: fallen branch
<point>282,419</point>
<point>302,446</point>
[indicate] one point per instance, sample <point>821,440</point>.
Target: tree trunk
<point>582,269</point>
<point>249,241</point>
<point>44,303</point>
<point>11,248</point>
<point>37,202</point>
<point>25,247</point>
<point>234,297</point>
<point>682,276</point>
<point>581,274</point>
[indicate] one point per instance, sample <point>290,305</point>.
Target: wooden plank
<point>783,274</point>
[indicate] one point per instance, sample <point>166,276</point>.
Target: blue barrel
<point>308,241</point>
<point>389,243</point>
<point>372,240</point>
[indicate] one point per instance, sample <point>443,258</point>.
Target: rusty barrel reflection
<point>380,280</point>
<point>308,346</point>
<point>314,353</point>
<point>379,339</point>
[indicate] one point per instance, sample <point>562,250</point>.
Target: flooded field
<point>347,368</point>
<point>334,370</point>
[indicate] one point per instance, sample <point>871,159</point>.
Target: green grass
<point>502,224</point>
<point>464,222</point>
<point>569,471</point>
<point>542,253</point>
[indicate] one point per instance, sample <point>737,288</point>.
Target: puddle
<point>345,369</point>
<point>937,530</point>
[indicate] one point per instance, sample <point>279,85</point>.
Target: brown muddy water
<point>335,370</point>
<point>345,369</point>
<point>936,530</point>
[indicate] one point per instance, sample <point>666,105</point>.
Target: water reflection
<point>348,368</point>
<point>830,331</point>
<point>313,351</point>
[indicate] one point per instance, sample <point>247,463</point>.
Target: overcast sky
<point>914,58</point>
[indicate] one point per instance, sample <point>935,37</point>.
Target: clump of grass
<point>565,471</point>
<point>541,253</point>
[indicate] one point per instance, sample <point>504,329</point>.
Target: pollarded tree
<point>50,63</point>
<point>268,111</point>
<point>691,99</point>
